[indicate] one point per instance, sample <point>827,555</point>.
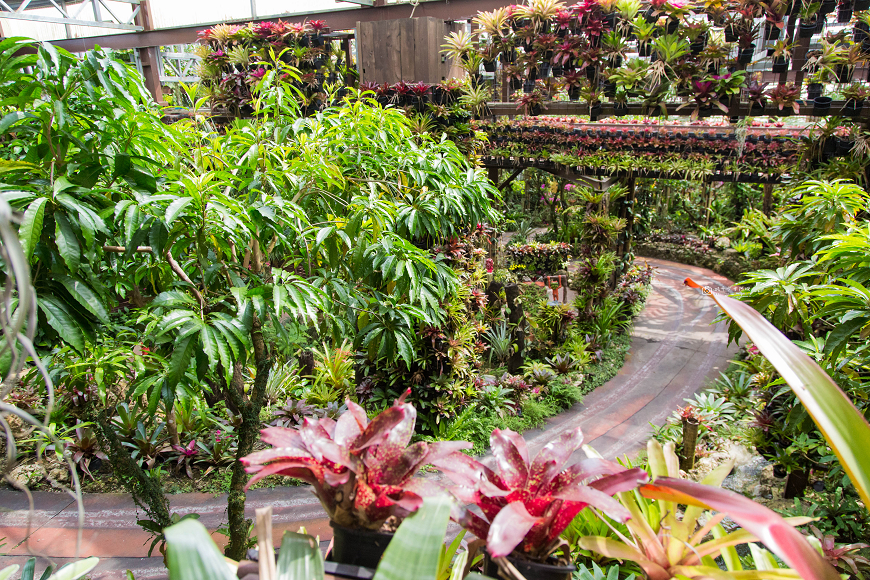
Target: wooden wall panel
<point>408,49</point>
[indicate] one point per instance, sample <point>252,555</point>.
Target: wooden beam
<point>508,181</point>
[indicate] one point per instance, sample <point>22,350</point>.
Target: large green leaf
<point>75,570</point>
<point>86,297</point>
<point>31,225</point>
<point>59,317</point>
<point>191,554</point>
<point>67,243</point>
<point>415,549</point>
<point>845,429</point>
<point>299,558</point>
<point>178,364</point>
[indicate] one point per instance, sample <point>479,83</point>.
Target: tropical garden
<point>328,283</point>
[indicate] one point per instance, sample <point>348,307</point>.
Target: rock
<point>59,475</point>
<point>25,475</point>
<point>762,491</point>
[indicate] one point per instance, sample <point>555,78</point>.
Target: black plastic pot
<point>698,46</point>
<point>814,90</point>
<point>516,84</point>
<point>780,64</point>
<point>609,89</point>
<point>730,35</point>
<point>844,14</point>
<point>644,49</point>
<point>861,5</point>
<point>844,73</point>
<point>821,105</point>
<point>620,109</point>
<point>508,57</point>
<point>591,71</point>
<point>745,56</point>
<point>531,570</point>
<point>528,87</point>
<point>827,7</point>
<point>771,32</point>
<point>844,145</point>
<point>852,108</point>
<point>358,547</point>
<point>609,20</point>
<point>672,26</point>
<point>594,112</point>
<point>860,32</point>
<point>820,25</point>
<point>558,70</point>
<point>489,65</point>
<point>807,29</point>
<point>544,70</point>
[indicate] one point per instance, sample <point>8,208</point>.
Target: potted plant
<point>613,47</point>
<point>729,84</point>
<point>704,97</point>
<point>808,14</point>
<point>781,55</point>
<point>774,12</point>
<point>531,103</point>
<point>458,45</point>
<point>855,95</point>
<point>628,10</point>
<point>572,82</point>
<point>644,32</point>
<point>361,470</point>
<point>785,97</point>
<point>526,504</point>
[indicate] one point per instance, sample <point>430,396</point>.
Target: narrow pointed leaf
<point>765,524</point>
<point>843,426</point>
<point>416,548</point>
<point>299,558</point>
<point>508,529</point>
<point>191,554</point>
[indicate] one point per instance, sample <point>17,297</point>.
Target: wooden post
<point>690,440</point>
<point>767,204</point>
<point>629,227</point>
<point>150,56</point>
<point>515,316</point>
<point>492,173</point>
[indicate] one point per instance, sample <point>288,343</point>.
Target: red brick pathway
<point>675,350</point>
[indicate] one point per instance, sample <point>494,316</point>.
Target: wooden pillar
<point>150,56</point>
<point>767,204</point>
<point>492,173</point>
<point>515,362</point>
<point>629,226</point>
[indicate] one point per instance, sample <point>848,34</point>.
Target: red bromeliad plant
<point>528,503</point>
<point>362,471</point>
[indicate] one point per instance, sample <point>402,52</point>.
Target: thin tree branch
<point>176,267</point>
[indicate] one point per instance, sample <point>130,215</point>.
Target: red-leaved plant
<point>362,471</point>
<point>528,504</point>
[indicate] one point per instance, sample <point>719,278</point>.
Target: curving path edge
<point>676,349</point>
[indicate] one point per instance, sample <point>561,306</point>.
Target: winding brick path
<point>675,350</point>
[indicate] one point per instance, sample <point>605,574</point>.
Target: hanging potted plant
<point>514,76</point>
<point>620,104</point>
<point>785,97</point>
<point>703,98</point>
<point>317,29</point>
<point>567,52</point>
<point>757,95</point>
<point>774,12</point>
<point>729,85</point>
<point>855,95</point>
<point>808,14</point>
<point>526,504</point>
<point>644,32</point>
<point>613,48</point>
<point>572,83</point>
<point>781,55</point>
<point>458,45</point>
<point>627,11</point>
<point>531,103</point>
<point>361,470</point>
<point>746,42</point>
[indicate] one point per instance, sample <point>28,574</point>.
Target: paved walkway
<point>675,350</point>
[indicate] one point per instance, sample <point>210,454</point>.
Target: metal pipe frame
<point>68,18</point>
<point>338,19</point>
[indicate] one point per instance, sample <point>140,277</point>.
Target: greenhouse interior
<point>430,290</point>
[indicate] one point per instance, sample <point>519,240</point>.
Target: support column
<point>492,173</point>
<point>767,204</point>
<point>150,56</point>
